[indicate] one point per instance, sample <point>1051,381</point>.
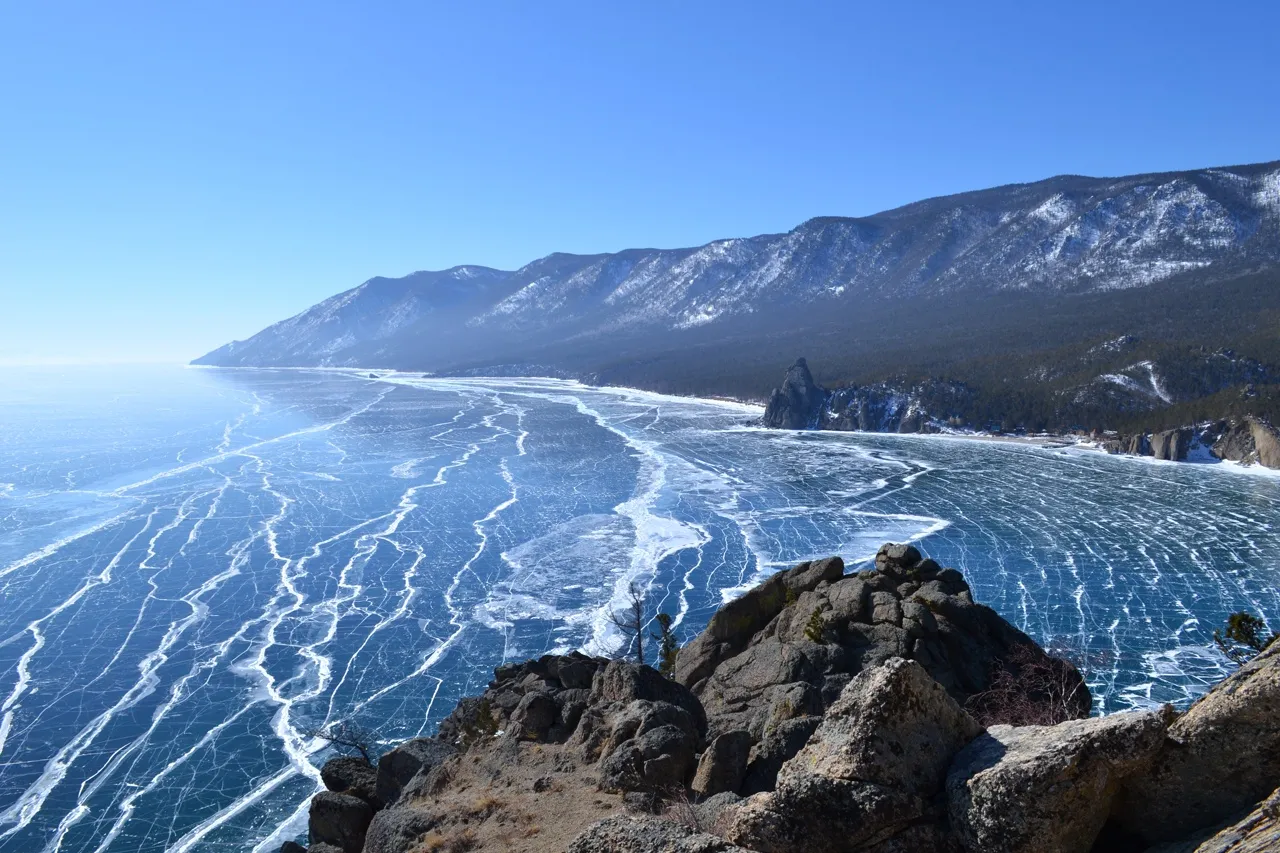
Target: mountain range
<point>1074,301</point>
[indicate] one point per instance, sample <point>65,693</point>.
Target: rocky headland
<point>937,406</point>
<point>1247,440</point>
<point>882,710</point>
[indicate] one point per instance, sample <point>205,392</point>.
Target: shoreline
<point>1043,441</point>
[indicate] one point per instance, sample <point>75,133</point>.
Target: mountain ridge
<point>1050,262</point>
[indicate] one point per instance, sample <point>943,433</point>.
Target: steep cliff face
<point>800,403</point>
<point>1249,441</point>
<point>937,405</point>
<point>1172,444</point>
<point>1266,442</point>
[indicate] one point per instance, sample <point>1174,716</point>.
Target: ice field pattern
<point>198,566</point>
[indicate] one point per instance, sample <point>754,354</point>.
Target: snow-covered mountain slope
<point>361,321</point>
<point>1064,235</point>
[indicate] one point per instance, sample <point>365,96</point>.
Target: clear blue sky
<point>175,175</point>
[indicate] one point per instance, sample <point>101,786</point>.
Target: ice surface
<point>197,566</point>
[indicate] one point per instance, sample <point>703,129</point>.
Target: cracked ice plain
<point>196,566</point>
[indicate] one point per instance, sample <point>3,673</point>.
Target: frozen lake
<point>195,565</point>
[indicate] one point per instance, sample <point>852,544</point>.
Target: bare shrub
<point>1031,688</point>
<point>680,807</point>
<point>485,805</point>
<point>346,735</point>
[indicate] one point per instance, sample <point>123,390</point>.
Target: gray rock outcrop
<point>397,830</point>
<point>1267,441</point>
<point>784,651</point>
<point>540,699</point>
<point>340,820</point>
<point>1248,440</point>
<point>417,757</point>
<point>868,773</point>
<point>1172,445</point>
<point>1047,789</point>
<point>352,775</point>
<point>898,407</point>
<point>822,713</point>
<point>798,403</point>
<point>1230,736</point>
<point>645,730</point>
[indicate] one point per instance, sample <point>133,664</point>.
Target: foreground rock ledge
<point>823,712</point>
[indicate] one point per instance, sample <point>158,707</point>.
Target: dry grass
<point>485,805</point>
<point>453,842</point>
<point>500,798</point>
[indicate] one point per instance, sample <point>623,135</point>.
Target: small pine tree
<point>667,645</point>
<point>816,628</point>
<point>1245,636</point>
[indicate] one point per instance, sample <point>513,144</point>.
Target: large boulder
<point>723,764</point>
<point>396,830</point>
<point>397,768</point>
<point>659,759</point>
<point>352,775</point>
<point>340,820</point>
<point>868,773</point>
<point>798,403</point>
<point>1220,758</point>
<point>811,814</point>
<point>1047,789</point>
<point>894,726</point>
<point>535,715</point>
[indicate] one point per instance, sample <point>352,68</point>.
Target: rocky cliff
<point>929,406</point>
<point>878,711</point>
<point>798,403</point>
<point>1248,440</point>
<point>936,405</point>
